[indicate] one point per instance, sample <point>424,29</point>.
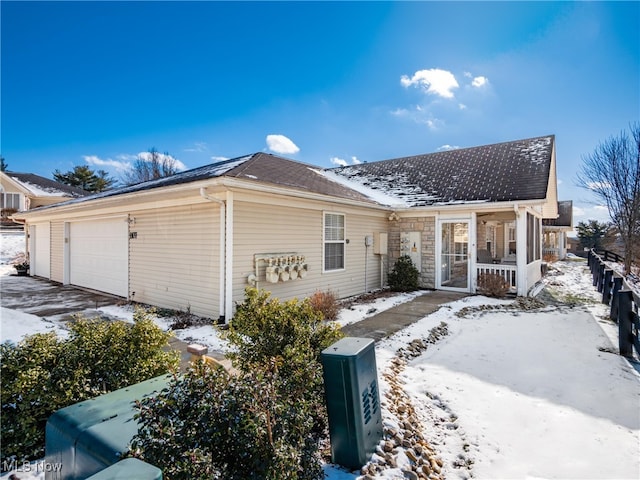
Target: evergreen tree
<point>592,233</point>
<point>83,177</point>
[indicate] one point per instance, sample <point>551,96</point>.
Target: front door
<point>453,267</point>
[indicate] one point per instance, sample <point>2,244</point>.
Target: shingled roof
<point>565,215</point>
<point>259,167</point>
<point>45,187</point>
<point>509,171</point>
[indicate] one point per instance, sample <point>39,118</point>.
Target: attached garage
<point>99,254</point>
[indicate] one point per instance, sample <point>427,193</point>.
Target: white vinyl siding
<point>334,241</point>
<point>261,228</point>
<point>175,257</point>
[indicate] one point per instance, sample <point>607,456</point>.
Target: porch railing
<point>508,272</point>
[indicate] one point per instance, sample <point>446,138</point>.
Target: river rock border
<point>403,441</point>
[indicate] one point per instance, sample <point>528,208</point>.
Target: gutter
<point>223,248</point>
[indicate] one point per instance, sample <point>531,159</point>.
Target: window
<point>533,238</point>
<point>333,241</point>
<point>10,200</point>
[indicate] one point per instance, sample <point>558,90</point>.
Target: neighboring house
<point>555,230</point>
<point>197,239</point>
<point>574,246</point>
<point>26,191</point>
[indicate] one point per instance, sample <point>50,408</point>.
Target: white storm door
<point>453,258</point>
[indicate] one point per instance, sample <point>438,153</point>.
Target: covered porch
<point>504,243</point>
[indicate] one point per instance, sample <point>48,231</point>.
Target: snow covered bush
<point>404,276</point>
<point>44,373</point>
<point>266,421</point>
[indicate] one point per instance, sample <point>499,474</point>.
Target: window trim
<point>342,242</point>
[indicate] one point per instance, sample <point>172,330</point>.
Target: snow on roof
<point>374,194</point>
<point>208,171</point>
<point>509,171</point>
<point>44,187</point>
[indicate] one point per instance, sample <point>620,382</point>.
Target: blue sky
<point>325,83</point>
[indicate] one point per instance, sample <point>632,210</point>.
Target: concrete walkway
<point>396,318</point>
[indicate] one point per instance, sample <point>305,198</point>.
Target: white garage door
<point>41,250</point>
<point>98,255</point>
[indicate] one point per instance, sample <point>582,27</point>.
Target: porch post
<point>521,251</point>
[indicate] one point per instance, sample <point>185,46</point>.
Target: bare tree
<point>149,166</point>
<point>612,173</point>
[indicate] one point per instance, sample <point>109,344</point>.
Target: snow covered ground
<point>508,393</point>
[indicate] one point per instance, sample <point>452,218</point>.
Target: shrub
<point>327,303</point>
<point>549,257</point>
<point>267,421</point>
<point>493,285</point>
<point>43,373</point>
<point>404,276</point>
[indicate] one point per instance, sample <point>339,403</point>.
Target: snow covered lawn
<point>507,393</point>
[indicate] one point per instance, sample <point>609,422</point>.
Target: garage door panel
<point>42,250</point>
<point>98,255</point>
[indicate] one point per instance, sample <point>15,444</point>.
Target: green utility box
<point>129,469</point>
<point>90,436</point>
<point>353,400</point>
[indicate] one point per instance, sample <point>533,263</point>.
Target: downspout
<point>222,262</point>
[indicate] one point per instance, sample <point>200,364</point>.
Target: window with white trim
<point>334,241</point>
<point>10,200</point>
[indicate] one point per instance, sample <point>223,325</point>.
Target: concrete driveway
<point>51,300</point>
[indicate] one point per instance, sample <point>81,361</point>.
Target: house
<point>197,239</point>
<point>555,230</point>
<point>26,191</point>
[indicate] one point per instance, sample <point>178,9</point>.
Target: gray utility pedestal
<point>353,400</point>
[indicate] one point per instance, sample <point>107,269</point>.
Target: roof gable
<point>510,171</point>
<point>37,186</point>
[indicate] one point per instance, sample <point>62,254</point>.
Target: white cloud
<point>216,158</point>
<point>468,74</point>
<point>119,165</point>
<point>598,186</point>
<point>281,144</point>
<point>400,112</point>
<point>434,81</point>
<point>146,156</point>
<point>341,162</point>
<point>197,147</point>
<point>479,81</point>
<point>462,106</point>
<point>447,147</point>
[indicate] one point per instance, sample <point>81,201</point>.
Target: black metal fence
<point>624,302</point>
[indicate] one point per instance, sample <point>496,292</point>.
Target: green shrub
<point>404,276</point>
<point>43,373</point>
<point>266,422</point>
